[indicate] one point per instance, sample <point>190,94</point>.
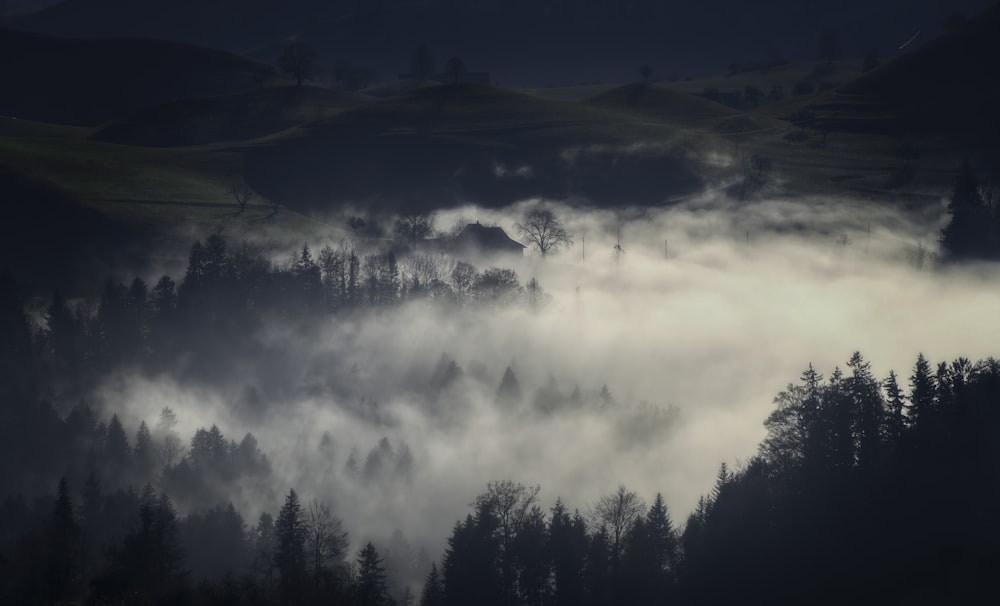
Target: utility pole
<point>619,251</point>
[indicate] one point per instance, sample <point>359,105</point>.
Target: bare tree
<point>510,505</point>
<point>242,193</point>
<point>540,228</point>
<point>414,225</point>
<point>463,280</point>
<point>617,512</point>
<point>299,60</point>
<point>326,540</point>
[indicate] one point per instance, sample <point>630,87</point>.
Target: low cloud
<point>712,309</point>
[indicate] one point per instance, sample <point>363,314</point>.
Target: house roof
<point>487,238</point>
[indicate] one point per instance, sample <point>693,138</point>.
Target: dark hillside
<point>444,145</point>
<point>234,117</point>
<point>89,82</point>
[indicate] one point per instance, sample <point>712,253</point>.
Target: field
<point>312,155</point>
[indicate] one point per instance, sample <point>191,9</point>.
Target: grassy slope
<point>114,206</point>
<point>236,117</point>
<point>438,145</point>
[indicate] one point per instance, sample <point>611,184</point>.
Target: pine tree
<point>868,410</point>
<point>289,549</point>
<point>922,390</point>
<point>144,455</point>
<point>116,445</point>
<point>509,391</point>
<point>664,538</point>
<point>896,422</point>
<point>370,586</point>
<point>568,550</point>
<point>62,572</point>
<point>967,236</point>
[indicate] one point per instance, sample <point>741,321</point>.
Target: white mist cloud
<point>714,322</point>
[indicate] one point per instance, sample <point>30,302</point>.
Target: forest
<point>865,487</point>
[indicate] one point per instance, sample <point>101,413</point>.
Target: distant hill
<point>521,42</point>
<point>90,82</point>
<point>236,117</point>
<point>949,85</point>
<point>449,144</point>
<point>661,103</point>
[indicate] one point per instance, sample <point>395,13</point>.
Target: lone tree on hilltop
<point>543,230</point>
<point>299,60</point>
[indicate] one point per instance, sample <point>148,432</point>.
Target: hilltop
<point>90,82</point>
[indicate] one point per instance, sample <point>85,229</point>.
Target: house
<point>477,241</point>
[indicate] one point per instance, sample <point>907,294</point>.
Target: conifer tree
<point>370,587</point>
<point>289,549</point>
<point>922,390</point>
<point>433,592</point>
<point>62,566</point>
<point>967,235</point>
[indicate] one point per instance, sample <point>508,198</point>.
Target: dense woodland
<point>865,486</point>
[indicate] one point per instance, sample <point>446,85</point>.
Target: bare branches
<point>617,512</point>
<point>543,230</point>
<point>242,193</point>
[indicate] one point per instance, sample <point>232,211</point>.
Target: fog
<point>712,309</point>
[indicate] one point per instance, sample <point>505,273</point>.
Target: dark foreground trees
<point>974,229</point>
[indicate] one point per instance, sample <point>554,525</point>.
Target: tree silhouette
<point>617,512</point>
<point>509,391</point>
<point>414,226</point>
<point>290,549</point>
<point>967,235</point>
<point>326,540</point>
<point>370,585</point>
<point>433,591</point>
<point>299,60</point>
<point>543,230</point>
<point>62,566</point>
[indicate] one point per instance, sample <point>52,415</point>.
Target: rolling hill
<point>444,145</point>
<point>91,82</point>
<point>237,117</point>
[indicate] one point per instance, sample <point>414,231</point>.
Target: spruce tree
<point>370,587</point>
<point>967,236</point>
<point>922,390</point>
<point>290,550</point>
<point>62,568</point>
